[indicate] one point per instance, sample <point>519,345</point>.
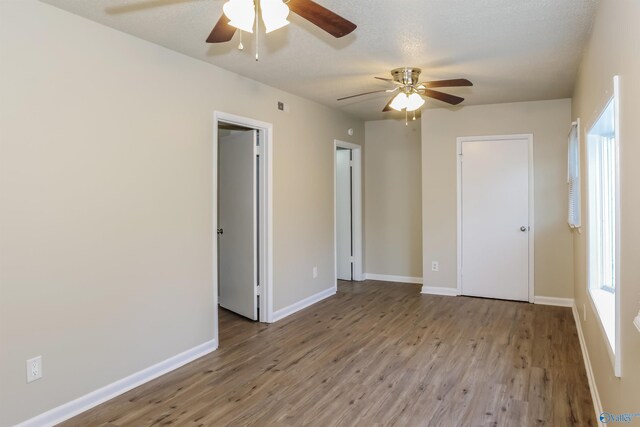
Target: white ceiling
<point>512,50</point>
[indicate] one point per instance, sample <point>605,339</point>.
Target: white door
<point>237,223</point>
<point>343,214</point>
<point>495,218</point>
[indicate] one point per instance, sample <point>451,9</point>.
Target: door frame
<point>265,273</point>
<point>459,141</point>
<point>356,209</point>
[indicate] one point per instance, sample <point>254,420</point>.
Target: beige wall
<point>392,206</point>
<point>613,49</point>
<point>549,122</point>
<point>106,197</point>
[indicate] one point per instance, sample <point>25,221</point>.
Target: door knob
<point>220,231</point>
<point>523,228</point>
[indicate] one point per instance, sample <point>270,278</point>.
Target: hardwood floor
<point>376,354</point>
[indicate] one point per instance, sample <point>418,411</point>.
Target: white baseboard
<point>560,302</point>
<point>388,278</point>
<point>595,396</point>
<point>287,311</point>
<point>439,290</point>
<point>88,401</point>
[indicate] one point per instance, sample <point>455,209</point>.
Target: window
<point>573,175</point>
<point>603,223</point>
<point>602,211</point>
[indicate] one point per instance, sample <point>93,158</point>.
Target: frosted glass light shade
<point>274,14</point>
<point>399,103</point>
<point>414,101</point>
<point>241,14</point>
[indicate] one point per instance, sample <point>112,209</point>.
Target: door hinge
<point>350,163</point>
<point>258,150</point>
<point>352,259</point>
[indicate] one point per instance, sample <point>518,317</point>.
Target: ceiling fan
<point>411,90</point>
<point>241,14</point>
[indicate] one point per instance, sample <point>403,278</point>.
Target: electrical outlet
<point>315,272</point>
<point>34,369</point>
<point>435,266</point>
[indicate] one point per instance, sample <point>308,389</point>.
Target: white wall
<point>613,49</point>
<point>392,205</point>
<point>106,197</point>
<point>549,122</point>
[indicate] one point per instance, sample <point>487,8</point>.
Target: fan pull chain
<point>240,46</point>
<point>414,115</point>
<point>257,27</point>
<point>406,118</point>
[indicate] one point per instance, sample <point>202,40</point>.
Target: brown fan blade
<point>222,32</point>
<point>322,17</point>
<point>389,80</point>
<point>364,93</point>
<point>447,83</point>
<point>388,106</point>
<point>445,97</point>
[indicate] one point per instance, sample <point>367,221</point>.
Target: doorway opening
<point>242,217</point>
<point>348,211</point>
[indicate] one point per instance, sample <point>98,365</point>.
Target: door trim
<point>266,230</point>
<point>529,138</point>
<point>356,206</point>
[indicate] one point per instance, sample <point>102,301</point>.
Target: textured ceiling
<point>512,50</point>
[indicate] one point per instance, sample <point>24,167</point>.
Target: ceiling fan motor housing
<point>406,75</point>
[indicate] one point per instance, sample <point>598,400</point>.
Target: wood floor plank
<point>376,354</point>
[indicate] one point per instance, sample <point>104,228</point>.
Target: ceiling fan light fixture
<point>400,102</point>
<point>274,14</point>
<point>241,14</point>
<point>414,101</point>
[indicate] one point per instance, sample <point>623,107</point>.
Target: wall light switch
<point>315,272</point>
<point>636,321</point>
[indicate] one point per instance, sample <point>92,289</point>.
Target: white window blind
<point>602,191</point>
<point>573,175</point>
